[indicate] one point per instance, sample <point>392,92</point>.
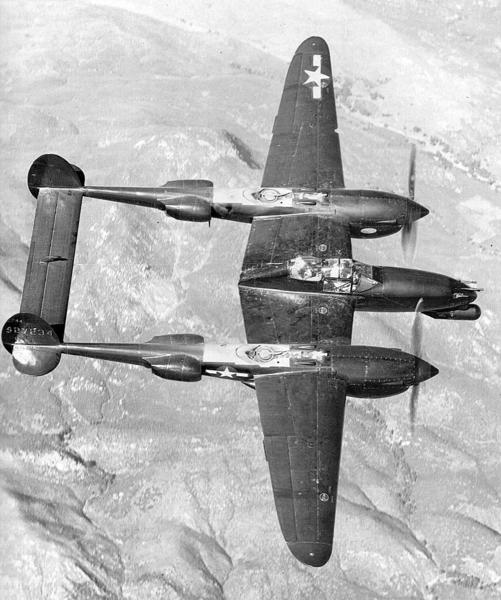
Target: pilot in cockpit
<point>299,268</point>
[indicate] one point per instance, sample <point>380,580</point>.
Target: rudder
<point>53,171</point>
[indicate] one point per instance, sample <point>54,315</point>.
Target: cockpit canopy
<point>339,275</point>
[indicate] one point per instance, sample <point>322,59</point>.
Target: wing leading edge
<point>302,419</point>
<point>305,150</point>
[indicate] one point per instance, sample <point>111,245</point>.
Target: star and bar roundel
<point>316,79</point>
<point>227,372</point>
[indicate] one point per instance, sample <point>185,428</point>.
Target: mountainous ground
<point>115,484</point>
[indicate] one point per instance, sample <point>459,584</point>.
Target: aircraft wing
<point>305,150</point>
<point>302,420</point>
<point>279,316</point>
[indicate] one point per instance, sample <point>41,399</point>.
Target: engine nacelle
<point>470,313</point>
<point>188,208</point>
<point>179,367</point>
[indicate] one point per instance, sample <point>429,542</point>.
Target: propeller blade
<point>412,172</point>
<point>417,342</point>
<point>413,407</point>
<point>409,231</point>
<point>409,239</point>
<point>417,330</point>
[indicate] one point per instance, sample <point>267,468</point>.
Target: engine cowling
<point>188,208</point>
<point>471,313</point>
<point>179,367</point>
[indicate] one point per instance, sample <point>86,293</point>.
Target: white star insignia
<point>227,373</point>
<point>316,77</point>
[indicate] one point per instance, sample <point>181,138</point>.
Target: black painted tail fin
<point>53,243</point>
<point>53,171</point>
<point>32,343</point>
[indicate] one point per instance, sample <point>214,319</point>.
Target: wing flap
<point>302,419</point>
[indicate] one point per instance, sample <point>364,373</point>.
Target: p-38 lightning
<point>299,288</point>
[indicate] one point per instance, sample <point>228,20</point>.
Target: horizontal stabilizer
<point>29,339</point>
<point>52,171</point>
<point>53,242</point>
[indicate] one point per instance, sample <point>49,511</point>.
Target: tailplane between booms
<point>53,243</point>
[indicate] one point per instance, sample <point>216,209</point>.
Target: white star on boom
<point>227,373</point>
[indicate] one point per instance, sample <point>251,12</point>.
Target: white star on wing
<point>315,77</point>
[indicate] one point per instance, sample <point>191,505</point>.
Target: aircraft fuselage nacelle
<point>369,213</point>
<point>381,289</point>
<point>368,371</point>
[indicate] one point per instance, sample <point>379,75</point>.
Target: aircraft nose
<point>472,294</point>
<point>463,292</point>
<point>424,370</point>
<point>417,211</point>
<point>314,554</point>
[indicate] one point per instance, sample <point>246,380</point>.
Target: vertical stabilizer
<point>33,343</point>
